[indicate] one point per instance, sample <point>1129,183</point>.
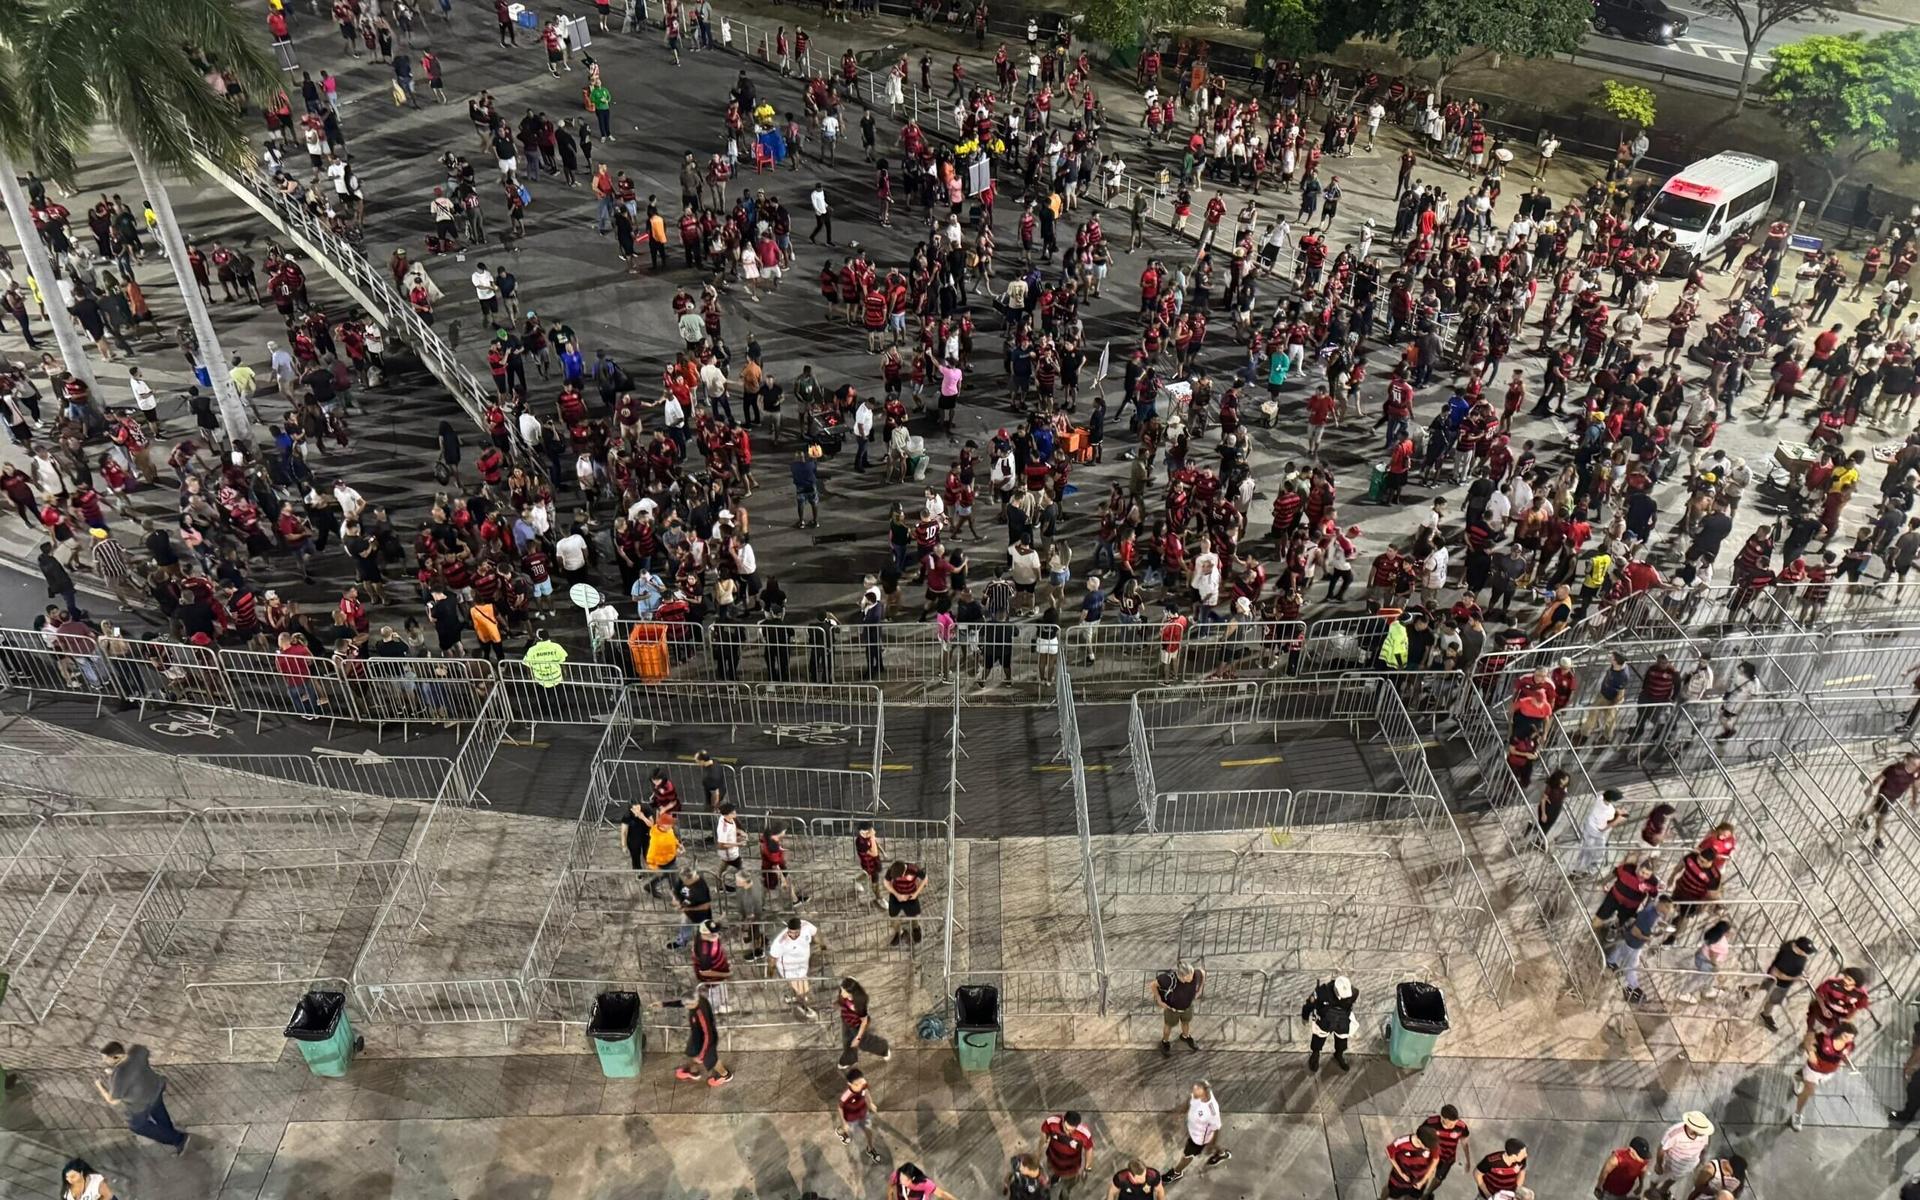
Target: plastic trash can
<point>323,1032</point>
<point>614,1027</point>
<point>1377,483</point>
<point>1419,1018</point>
<point>976,1025</point>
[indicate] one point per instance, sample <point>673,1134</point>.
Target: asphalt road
<point>1714,47</point>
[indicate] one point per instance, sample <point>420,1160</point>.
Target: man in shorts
<point>857,1111</point>
<point>1789,965</point>
<point>904,883</point>
<point>792,956</point>
<point>1176,992</point>
<point>727,840</point>
<point>1892,785</point>
<point>1682,1147</point>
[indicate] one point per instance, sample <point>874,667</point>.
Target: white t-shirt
<point>1683,1150</point>
<point>1203,1120</point>
<point>142,395</point>
<point>1598,818</point>
<point>726,837</point>
<point>713,381</point>
<point>792,952</point>
<point>571,552</point>
<point>483,285</point>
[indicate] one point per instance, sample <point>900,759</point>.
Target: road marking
<point>1846,680</point>
<point>1732,55</point>
<point>514,741</point>
<point>1252,762</point>
<point>716,758</point>
<point>1090,767</point>
<point>867,766</point>
<point>1415,746</point>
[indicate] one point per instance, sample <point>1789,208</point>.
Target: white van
<point>1708,201</point>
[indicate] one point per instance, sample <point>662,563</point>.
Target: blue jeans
<point>1396,430</point>
<point>805,500</point>
<point>155,1124</point>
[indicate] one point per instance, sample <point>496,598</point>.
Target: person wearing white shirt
<point>1205,578</point>
<point>144,399</point>
<point>1594,828</point>
<point>792,956</point>
<point>1499,508</point>
<point>570,553</point>
<point>488,291</point>
<point>862,433</point>
<point>830,135</point>
<point>529,431</point>
<point>1522,494</point>
<point>822,214</point>
<point>727,842</point>
<point>350,501</point>
<point>1203,1132</point>
<point>1435,569</point>
<point>1376,113</point>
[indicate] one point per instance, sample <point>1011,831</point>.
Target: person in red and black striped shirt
<point>1505,1170</point>
<point>703,1042</point>
<point>1695,884</point>
<point>1838,999</point>
<point>1634,883</point>
<point>1659,684</point>
<point>1450,1135</point>
<point>857,1111</point>
<point>1825,1052</point>
<point>1067,1143</point>
<point>1411,1163</point>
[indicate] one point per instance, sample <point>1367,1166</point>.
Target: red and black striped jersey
<point>1447,1145</point>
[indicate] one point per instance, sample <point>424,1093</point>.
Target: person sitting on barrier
<point>1328,1012</point>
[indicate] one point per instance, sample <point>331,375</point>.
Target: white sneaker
<point>1796,1122</point>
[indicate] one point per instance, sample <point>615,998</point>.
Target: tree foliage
<point>134,65</point>
<point>1756,18</point>
<point>1293,28</point>
<point>1849,97</point>
<point>1627,103</point>
<point>1449,30</point>
<point>1124,22</point>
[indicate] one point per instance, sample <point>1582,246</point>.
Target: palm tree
<point>131,65</point>
<point>14,138</point>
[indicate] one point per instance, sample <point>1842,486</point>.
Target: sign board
<point>979,175</point>
<point>1806,243</point>
<point>585,595</point>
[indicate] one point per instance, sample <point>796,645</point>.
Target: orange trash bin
<point>647,648</point>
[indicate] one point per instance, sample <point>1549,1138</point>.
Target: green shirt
<point>544,660</point>
<point>601,97</point>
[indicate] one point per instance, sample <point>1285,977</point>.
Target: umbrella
<point>1503,154</point>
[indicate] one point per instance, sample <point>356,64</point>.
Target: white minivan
<point>1708,201</point>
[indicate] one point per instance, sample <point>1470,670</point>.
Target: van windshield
<point>1681,212</point>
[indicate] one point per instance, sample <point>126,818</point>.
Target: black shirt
<point>1176,994</point>
<point>1129,1188</point>
<point>1788,961</point>
<point>638,835</point>
<point>695,899</point>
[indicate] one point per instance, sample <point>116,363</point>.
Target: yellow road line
<point>867,766</point>
<point>1252,762</point>
<point>1848,679</point>
<point>1064,767</point>
<point>514,741</point>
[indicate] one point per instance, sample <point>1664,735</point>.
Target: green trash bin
<point>1419,1018</point>
<point>1377,483</point>
<point>324,1034</point>
<point>614,1028</point>
<point>976,1025</point>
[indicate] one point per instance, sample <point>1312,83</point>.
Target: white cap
<point>1342,987</point>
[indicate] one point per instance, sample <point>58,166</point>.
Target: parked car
<point>1641,20</point>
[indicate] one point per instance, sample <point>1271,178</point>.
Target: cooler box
<point>614,1027</point>
<point>1419,1018</point>
<point>523,16</point>
<point>976,1025</point>
<point>324,1034</point>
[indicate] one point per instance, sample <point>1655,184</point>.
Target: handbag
<point>526,197</point>
<point>440,471</point>
<point>399,93</point>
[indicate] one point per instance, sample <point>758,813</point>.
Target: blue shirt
<point>1640,930</point>
<point>806,477</point>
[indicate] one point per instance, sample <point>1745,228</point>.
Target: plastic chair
<point>762,158</point>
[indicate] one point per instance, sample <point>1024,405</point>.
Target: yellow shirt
<point>243,377</point>
<point>663,847</point>
<point>1843,479</point>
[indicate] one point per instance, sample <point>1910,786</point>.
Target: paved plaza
<point>466,885</point>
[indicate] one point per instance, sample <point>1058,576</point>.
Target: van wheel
<point>1599,25</point>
